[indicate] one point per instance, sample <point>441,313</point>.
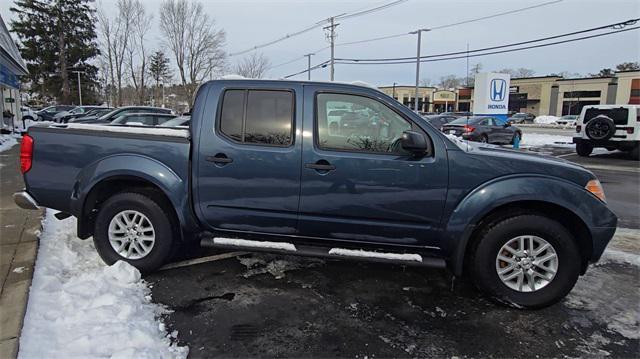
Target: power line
<point>433,58</point>
<point>614,26</point>
<point>453,24</point>
<point>322,64</point>
<point>317,25</point>
<point>493,52</point>
<point>437,27</point>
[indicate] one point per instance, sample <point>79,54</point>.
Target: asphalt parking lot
<point>274,306</point>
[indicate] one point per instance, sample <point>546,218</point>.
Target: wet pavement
<point>262,305</point>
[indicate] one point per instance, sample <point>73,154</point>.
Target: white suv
<point>614,127</point>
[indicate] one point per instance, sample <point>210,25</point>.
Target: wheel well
<point>565,217</point>
<point>108,187</point>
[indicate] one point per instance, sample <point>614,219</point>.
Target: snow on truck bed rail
<point>149,130</point>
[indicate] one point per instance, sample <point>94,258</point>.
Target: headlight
<point>595,188</point>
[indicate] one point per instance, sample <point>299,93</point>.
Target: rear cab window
<point>259,117</point>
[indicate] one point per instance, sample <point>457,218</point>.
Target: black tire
<point>27,118</point>
<point>584,149</point>
<point>484,139</point>
<point>600,128</point>
<point>494,235</point>
<point>157,215</point>
<point>635,152</point>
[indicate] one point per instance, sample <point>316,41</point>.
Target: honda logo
<point>498,90</point>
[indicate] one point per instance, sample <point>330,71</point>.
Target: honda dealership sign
<point>491,94</point>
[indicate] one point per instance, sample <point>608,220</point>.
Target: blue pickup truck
<point>323,169</point>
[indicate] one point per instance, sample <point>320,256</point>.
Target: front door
<point>249,162</point>
<point>358,184</point>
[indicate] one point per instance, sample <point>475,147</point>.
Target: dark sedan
<point>438,121</point>
<point>483,129</point>
<point>521,117</point>
<point>48,113</point>
<point>142,119</point>
<point>110,116</point>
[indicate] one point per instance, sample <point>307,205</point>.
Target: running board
<point>409,259</point>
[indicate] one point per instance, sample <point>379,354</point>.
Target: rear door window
<point>258,117</point>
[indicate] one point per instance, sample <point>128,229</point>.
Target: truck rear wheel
<point>135,228</point>
<point>525,261</point>
<point>584,149</point>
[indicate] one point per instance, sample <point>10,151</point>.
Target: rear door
<point>358,184</point>
<point>248,163</point>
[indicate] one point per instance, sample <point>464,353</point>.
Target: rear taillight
<point>468,128</point>
<point>578,128</point>
<point>26,153</point>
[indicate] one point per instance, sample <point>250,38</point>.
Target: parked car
<point>78,111</point>
<point>458,114</point>
<point>180,121</point>
<point>567,120</point>
<point>614,127</point>
<point>483,129</point>
<point>522,118</point>
<point>142,119</point>
<point>112,115</point>
<point>255,164</point>
<point>28,114</point>
<point>48,113</point>
<point>439,120</point>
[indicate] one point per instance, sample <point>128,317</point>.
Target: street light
<point>419,32</point>
<point>79,87</point>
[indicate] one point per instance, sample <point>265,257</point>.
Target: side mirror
<point>415,142</point>
<point>508,123</point>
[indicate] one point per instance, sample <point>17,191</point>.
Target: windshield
<point>108,114</point>
<point>182,121</point>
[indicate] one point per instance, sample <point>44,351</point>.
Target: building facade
<point>542,95</point>
<point>11,68</point>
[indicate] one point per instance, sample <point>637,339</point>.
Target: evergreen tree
<point>57,37</point>
<point>159,69</point>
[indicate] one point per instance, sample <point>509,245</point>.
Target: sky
<point>250,23</point>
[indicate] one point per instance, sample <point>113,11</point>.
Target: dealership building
<point>11,68</point>
<point>543,95</point>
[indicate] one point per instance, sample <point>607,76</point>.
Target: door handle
<point>321,165</point>
<point>219,158</point>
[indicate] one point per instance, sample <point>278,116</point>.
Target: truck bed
<point>66,156</point>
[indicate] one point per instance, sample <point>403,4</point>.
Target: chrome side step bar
<point>285,248</point>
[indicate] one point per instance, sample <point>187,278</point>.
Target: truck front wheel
<point>525,261</point>
<point>584,149</point>
<point>134,228</point>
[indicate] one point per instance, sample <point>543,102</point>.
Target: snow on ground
<point>547,120</point>
<point>6,142</point>
<point>80,308</point>
<point>362,253</point>
<point>538,139</point>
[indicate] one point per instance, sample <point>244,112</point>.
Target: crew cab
<point>260,169</point>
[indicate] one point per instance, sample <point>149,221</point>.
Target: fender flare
<point>130,166</point>
<point>510,190</point>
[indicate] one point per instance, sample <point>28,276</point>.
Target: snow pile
<point>233,77</point>
<point>537,139</point>
<point>546,120</point>
<point>6,142</point>
<point>80,308</point>
<point>256,244</point>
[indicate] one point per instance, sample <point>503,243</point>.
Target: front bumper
<point>24,200</point>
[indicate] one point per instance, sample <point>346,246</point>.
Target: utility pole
<point>419,32</point>
<point>309,65</point>
<point>331,36</point>
<point>79,87</point>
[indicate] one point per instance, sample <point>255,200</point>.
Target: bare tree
<point>518,73</point>
<point>254,66</point>
<point>136,49</point>
<point>196,44</point>
<point>450,82</point>
<point>115,36</point>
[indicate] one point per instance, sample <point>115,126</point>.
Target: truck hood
<point>507,161</point>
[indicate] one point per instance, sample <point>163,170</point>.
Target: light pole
<point>79,87</point>
<point>309,65</point>
<point>419,32</point>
